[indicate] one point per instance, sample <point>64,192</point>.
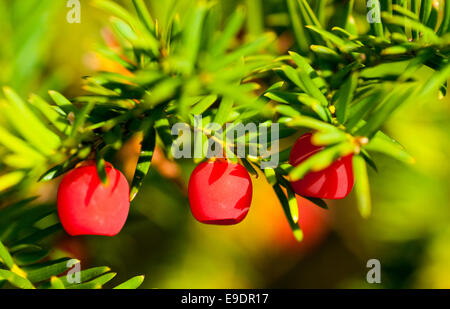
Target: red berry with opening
<point>220,192</point>
<point>334,182</point>
<point>88,207</point>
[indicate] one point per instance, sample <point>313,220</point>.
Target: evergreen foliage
<point>335,81</point>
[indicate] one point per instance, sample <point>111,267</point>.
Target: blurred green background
<point>409,230</point>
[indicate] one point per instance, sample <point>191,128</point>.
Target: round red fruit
<point>220,192</point>
<point>333,182</point>
<point>88,207</point>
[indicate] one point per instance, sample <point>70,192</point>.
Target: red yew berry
<point>333,182</point>
<point>88,207</point>
<point>220,192</point>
